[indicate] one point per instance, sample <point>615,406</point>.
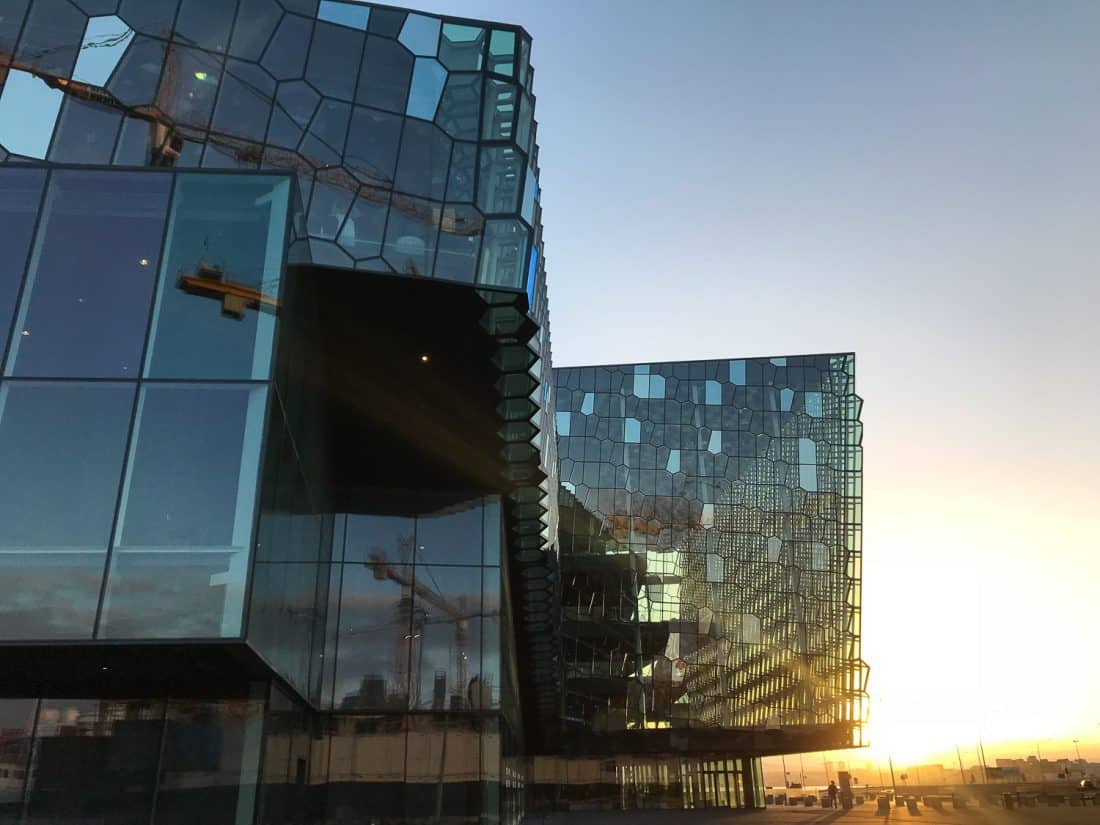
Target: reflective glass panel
<point>206,23</point>
<point>385,75</point>
<point>346,14</point>
<point>379,538</point>
<point>17,724</point>
<point>447,624</point>
<point>411,235</point>
<point>503,254</point>
<point>420,34</point>
<point>92,269</point>
<point>330,70</point>
<point>285,56</point>
<point>51,37</point>
<point>459,241</point>
<point>250,39</point>
<point>105,41</point>
<point>219,286</point>
<point>28,114</point>
<point>376,643</point>
<point>92,756</point>
<point>57,501</point>
<point>422,167</point>
<point>428,80</point>
<point>372,145</point>
<point>209,763</point>
<point>184,531</point>
<point>451,535</point>
<point>20,195</point>
<point>86,133</point>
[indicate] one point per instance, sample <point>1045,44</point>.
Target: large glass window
<point>185,522</point>
<point>219,286</point>
<point>62,448</point>
<point>16,729</point>
<point>447,627</point>
<point>376,641</point>
<point>94,761</point>
<point>85,304</point>
<point>20,193</point>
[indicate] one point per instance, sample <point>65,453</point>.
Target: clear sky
<point>915,181</point>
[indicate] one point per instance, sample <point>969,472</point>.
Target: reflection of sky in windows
<point>345,14</point>
<point>28,113</point>
<point>105,41</point>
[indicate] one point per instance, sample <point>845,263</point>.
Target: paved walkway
<point>863,815</point>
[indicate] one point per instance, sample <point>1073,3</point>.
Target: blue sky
<point>915,181</point>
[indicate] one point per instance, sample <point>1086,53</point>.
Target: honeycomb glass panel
<point>411,235</point>
<point>105,41</point>
<point>462,48</point>
<point>385,75</point>
<point>52,34</point>
<point>345,14</point>
<point>28,114</point>
<point>329,69</point>
<point>501,176</point>
<point>503,254</point>
<point>373,140</point>
<point>420,35</point>
<point>428,80</point>
<point>206,23</point>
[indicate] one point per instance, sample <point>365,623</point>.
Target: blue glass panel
<point>345,14</point>
<point>632,430</point>
<point>285,56</point>
<point>502,52</point>
<point>530,196</point>
<point>223,231</point>
<point>420,35</point>
<point>206,23</point>
<point>194,86</point>
<point>448,639</point>
<point>422,164</point>
<point>428,80</point>
<point>370,675</point>
<point>20,195</point>
<point>786,399</point>
<point>28,114</point>
<point>715,443</point>
<point>673,464</point>
<point>244,102</point>
<point>372,145</point>
<point>411,235</point>
<point>86,133</point>
<point>57,502</point>
<point>365,226</point>
<point>500,179</point>
<point>105,41</point>
<point>185,521</point>
<point>11,21</point>
<point>532,277</point>
<point>135,82</point>
<point>460,180</point>
<point>153,17</point>
<point>385,75</point>
<point>451,535</point>
<point>332,59</point>
<point>459,241</point>
<point>51,37</point>
<point>713,392</point>
<point>459,113</point>
<point>737,372</point>
<point>92,269</point>
<point>561,421</point>
<point>503,254</point>
<point>250,39</point>
<point>807,451</point>
<point>462,47</point>
<point>499,112</point>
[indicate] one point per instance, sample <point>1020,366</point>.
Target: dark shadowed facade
<point>279,521</point>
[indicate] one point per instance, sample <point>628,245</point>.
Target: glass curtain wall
<point>135,761</point>
<point>134,518</point>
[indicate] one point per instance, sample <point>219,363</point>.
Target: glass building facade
<point>297,522</point>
